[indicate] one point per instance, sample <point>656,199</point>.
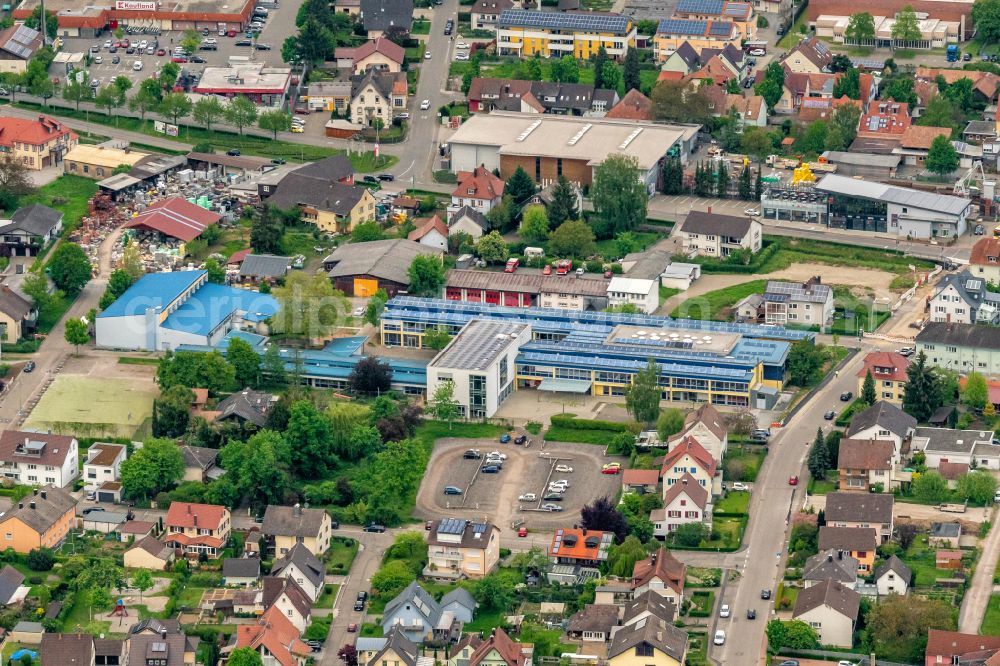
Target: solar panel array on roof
<point>973,285</point>
<point>720,29</point>
<point>518,18</point>
<point>700,6</point>
<point>736,9</point>
<point>451,526</point>
<point>19,42</point>
<point>682,27</point>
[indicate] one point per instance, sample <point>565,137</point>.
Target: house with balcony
<point>867,465</point>
<point>886,421</point>
<point>580,546</point>
<point>35,458</point>
<point>286,526</point>
<point>859,543</point>
<point>861,510</point>
<point>30,229</point>
<point>984,262</point>
<point>808,303</point>
<point>424,620</point>
<point>888,371</point>
<point>103,463</point>
<point>458,548</point>
<point>197,528</point>
<point>524,33</point>
<point>963,298</point>
<point>378,95</point>
<point>831,609</point>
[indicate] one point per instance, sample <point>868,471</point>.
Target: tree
<point>376,304</point>
<point>310,441</point>
<point>906,29</point>
<point>391,578</point>
<point>673,176</point>
<point>190,40</point>
<point>146,98</point>
<point>255,469</point>
<point>565,70</point>
<point>216,273</point>
<point>172,410</point>
<point>40,559</point>
<point>240,113</point>
<point>921,393</point>
<point>426,275</point>
<point>770,88</point>
<point>436,338</point>
<point>611,76</point>
<point>618,194</point>
<point>348,653</point>
<point>622,557</point>
<point>630,75</point>
<point>492,248</point>
<point>168,76</point>
<point>175,105</point>
<point>942,158</point>
<point>77,333</point>
<point>940,112</point>
<point>976,392</point>
<point>245,362</point>
<point>534,225</point>
<point>76,91</point>
<point>573,238</point>
<point>495,592</point>
<point>142,580</point>
<point>813,140</point>
<point>745,187</point>
<point>519,186</point>
<point>675,101</point>
<point>845,118</point>
<point>861,28</point>
<point>207,111</point>
<point>930,487</point>
<point>564,203</point>
<point>670,422</point>
<point>986,18</point>
<point>868,395</point>
<point>502,214</point>
<point>818,462</point>
<point>275,121</point>
<point>756,143</point>
<point>848,84</point>
<point>642,397</point>
<point>370,376</point>
<point>266,231</point>
<point>977,486</point>
<point>601,514</point>
<point>34,22</point>
<point>154,467</point>
<point>805,360</point>
<point>309,305</point>
<point>598,60</point>
<point>36,287</point>
<point>69,268</point>
<point>794,634</point>
<point>195,370</point>
<point>107,98</point>
<point>722,180</point>
<point>690,535</point>
<point>896,627</point>
<point>244,656</point>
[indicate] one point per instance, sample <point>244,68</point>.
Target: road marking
<point>407,169</point>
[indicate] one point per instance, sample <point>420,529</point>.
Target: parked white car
<point>527,497</point>
<point>739,485</point>
<point>720,637</point>
<point>566,469</point>
<point>137,66</point>
<point>724,611</point>
<point>561,483</point>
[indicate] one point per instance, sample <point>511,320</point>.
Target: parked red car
<point>352,628</point>
<point>179,59</point>
<point>793,480</point>
<point>522,531</point>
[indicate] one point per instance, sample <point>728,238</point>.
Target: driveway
<point>970,617</point>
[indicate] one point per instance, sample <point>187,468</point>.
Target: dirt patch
<point>854,277</point>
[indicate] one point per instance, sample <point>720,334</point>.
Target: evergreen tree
<point>563,206</point>
<point>599,60</point>
<point>746,186</point>
<point>673,176</point>
<point>703,180</point>
<point>818,461</point>
<point>868,389</point>
<point>921,395</point>
<point>722,181</point>
<point>631,73</point>
<point>758,185</point>
<point>519,186</point>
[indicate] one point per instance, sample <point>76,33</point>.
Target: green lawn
<point>742,464</point>
<point>716,304</point>
<point>791,38</point>
<point>329,594</point>
<point>132,360</point>
<point>667,293</point>
<point>824,486</point>
<point>729,530</point>
<point>104,406</point>
<point>78,620</point>
<point>222,141</point>
<point>421,27</point>
<point>920,558</point>
<point>608,248</point>
<point>735,501</point>
<point>50,315</point>
<point>485,621</point>
<point>703,577</point>
<point>341,555</point>
<point>853,314</point>
<point>702,603</point>
<point>786,596</point>
<point>67,194</point>
<point>429,431</point>
<point>991,621</point>
<point>558,433</point>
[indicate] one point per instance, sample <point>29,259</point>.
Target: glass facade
<point>858,214</point>
<point>477,396</point>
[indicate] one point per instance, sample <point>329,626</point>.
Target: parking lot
<point>526,470</point>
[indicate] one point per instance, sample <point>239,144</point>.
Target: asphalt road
<point>977,597</point>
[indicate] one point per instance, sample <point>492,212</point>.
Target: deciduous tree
<point>492,248</point>
<point>601,514</point>
<point>573,238</point>
<point>534,225</point>
<point>896,627</point>
<point>618,194</point>
<point>208,111</point>
<point>154,467</point>
<point>976,392</point>
<point>426,275</point>
<point>240,113</point>
<point>370,376</point>
<point>275,121</point>
<point>69,268</point>
<point>860,28</point>
<point>77,333</point>
<point>642,397</point>
<point>942,158</point>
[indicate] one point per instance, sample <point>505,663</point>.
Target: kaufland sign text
<point>136,5</point>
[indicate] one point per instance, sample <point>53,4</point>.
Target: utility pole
<point>41,21</point>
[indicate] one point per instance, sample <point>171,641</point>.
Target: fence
<point>862,659</point>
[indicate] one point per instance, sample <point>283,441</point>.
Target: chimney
<point>829,558</point>
<point>163,634</point>
<point>44,494</point>
<point>584,531</point>
<point>709,210</point>
<point>297,509</point>
<point>32,505</point>
<point>20,505</point>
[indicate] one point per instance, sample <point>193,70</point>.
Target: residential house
<point>641,293</point>
<point>801,87</point>
<point>915,142</point>
<point>164,648</point>
<point>893,577</point>
<point>640,481</point>
<point>378,16</point>
<point>200,463</point>
<point>615,593</point>
<point>965,447</point>
<point>18,45</point>
<point>884,420</point>
<point>424,620</point>
<point>285,594</point>
<point>240,571</point>
<point>377,95</point>
<point>860,542</point>
<point>478,189</point>
<point>333,207</point>
<point>501,650</point>
<point>30,229</point>
<point>885,119</point>
<point>433,233</point>
<point>524,33</point>
<point>468,220</point>
<point>961,347</point>
<point>457,548</point>
<point>17,315</point>
<point>633,106</point>
<point>714,235</point>
<point>248,407</point>
<point>484,14</point>
<point>82,650</point>
<point>396,649</point>
<point>811,56</point>
<point>35,458</point>
<point>861,510</point>
<point>962,298</point>
<point>866,465</point>
<point>955,647</point>
<point>286,526</point>
<point>12,588</point>
<point>197,528</point>
<point>103,463</point>
<point>275,638</point>
<point>661,573</point>
<point>684,60</point>
<point>580,546</point>
<point>36,144</point>
<point>684,502</point>
<point>671,33</point>
<point>944,535</point>
<point>705,424</point>
<point>741,14</point>
<point>553,97</point>
<point>39,520</point>
<point>831,564</point>
<point>256,269</point>
<point>714,72</point>
<point>378,54</point>
<point>809,303</point>
<point>749,110</point>
<point>649,603</point>
<point>980,131</point>
<point>593,623</point>
<point>888,370</point>
<point>984,262</point>
<point>149,553</point>
<point>654,642</point>
<point>689,457</point>
<point>302,566</point>
<point>831,609</point>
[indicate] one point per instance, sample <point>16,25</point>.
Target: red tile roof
<point>277,634</point>
<point>897,363</point>
<point>920,137</point>
<point>175,217</point>
<point>692,447</point>
<point>687,485</point>
<point>187,514</point>
<point>513,654</point>
<point>865,455</point>
<point>885,117</point>
<point>952,471</point>
<point>633,106</point>
<point>238,257</point>
<point>573,543</point>
<point>479,183</point>
<point>389,49</point>
<point>660,565</point>
<point>640,477</point>
<point>431,224</point>
<point>946,644</point>
<point>668,75</point>
<point>984,250</point>
<point>35,132</point>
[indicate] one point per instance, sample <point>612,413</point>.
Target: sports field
<point>88,406</point>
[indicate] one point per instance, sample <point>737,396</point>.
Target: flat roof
<point>152,290</point>
<point>249,78</point>
<point>676,340</point>
<point>478,344</point>
<point>213,303</point>
<point>941,203</point>
<point>862,159</point>
<point>118,182</point>
<point>105,156</point>
<point>571,137</point>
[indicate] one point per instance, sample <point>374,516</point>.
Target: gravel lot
<point>495,496</point>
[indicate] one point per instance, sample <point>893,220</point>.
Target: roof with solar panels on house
<point>460,532</point>
<point>736,11</point>
<point>697,28</point>
<point>594,22</point>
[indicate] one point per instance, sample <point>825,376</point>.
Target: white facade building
<point>644,294</point>
<point>36,459</point>
<point>103,463</point>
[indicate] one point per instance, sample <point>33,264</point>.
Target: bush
<point>570,421</point>
<point>41,559</point>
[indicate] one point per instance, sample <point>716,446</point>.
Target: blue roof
<point>156,290</point>
<point>212,304</point>
<point>254,340</point>
<point>345,346</point>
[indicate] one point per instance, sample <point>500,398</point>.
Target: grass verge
<point>717,304</point>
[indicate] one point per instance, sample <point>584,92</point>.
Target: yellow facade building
<point>526,33</point>
<point>99,162</point>
<point>700,34</point>
<point>40,520</point>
